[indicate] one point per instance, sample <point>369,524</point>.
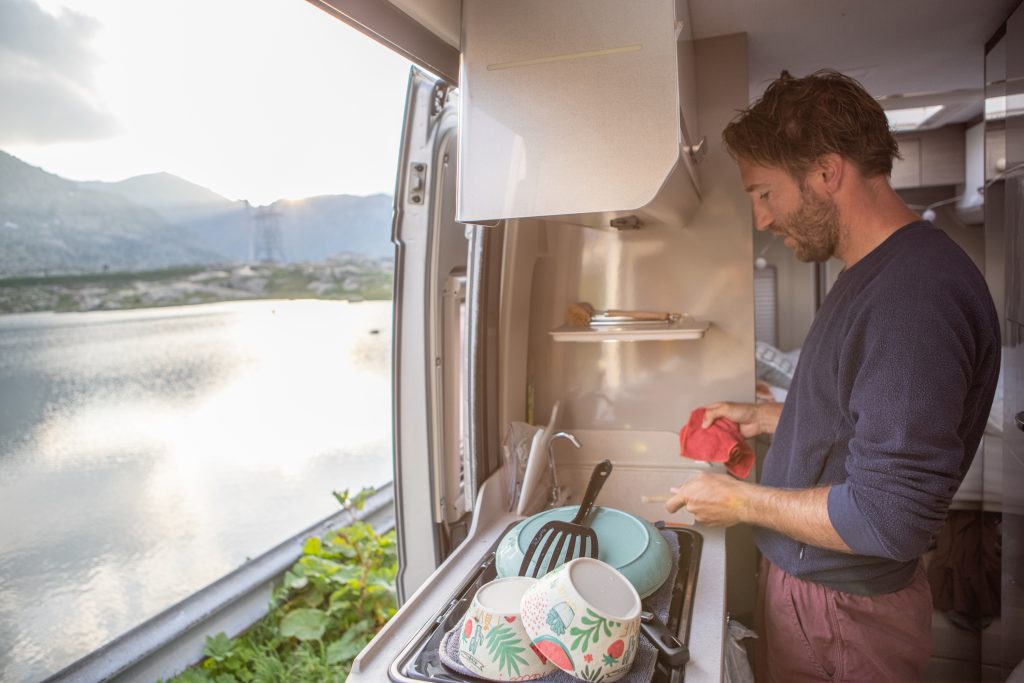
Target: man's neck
<point>869,214</point>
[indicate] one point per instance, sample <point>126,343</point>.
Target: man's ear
<point>829,172</point>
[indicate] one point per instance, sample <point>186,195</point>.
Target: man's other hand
<point>752,418</point>
<point>713,499</point>
<point>721,500</point>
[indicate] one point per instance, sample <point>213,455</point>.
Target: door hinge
<point>439,98</point>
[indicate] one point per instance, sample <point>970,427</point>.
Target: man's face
<point>808,221</point>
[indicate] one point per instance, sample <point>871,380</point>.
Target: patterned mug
<point>585,618</point>
<point>492,641</point>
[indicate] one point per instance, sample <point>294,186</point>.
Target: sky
<point>253,99</point>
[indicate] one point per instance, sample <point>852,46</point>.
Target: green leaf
<point>316,566</point>
<point>304,624</point>
<point>338,653</point>
<point>342,545</point>
<point>312,546</point>
<point>360,500</point>
<point>294,582</point>
<point>339,600</point>
<point>312,598</point>
<point>268,669</point>
<point>349,645</point>
<point>218,647</point>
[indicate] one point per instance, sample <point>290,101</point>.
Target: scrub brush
<point>580,314</point>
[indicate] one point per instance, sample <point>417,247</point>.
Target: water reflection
<point>143,454</point>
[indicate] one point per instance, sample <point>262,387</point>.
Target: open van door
<point>433,475</point>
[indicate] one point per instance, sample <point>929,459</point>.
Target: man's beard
<point>814,227</point>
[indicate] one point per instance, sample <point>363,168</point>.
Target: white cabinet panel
<point>573,107</point>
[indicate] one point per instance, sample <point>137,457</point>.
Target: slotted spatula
<point>573,538</point>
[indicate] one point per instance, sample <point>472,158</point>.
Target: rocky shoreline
<point>348,276</point>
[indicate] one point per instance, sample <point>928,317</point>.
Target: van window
<point>196,274</point>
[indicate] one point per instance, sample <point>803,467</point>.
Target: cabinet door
<point>570,108</point>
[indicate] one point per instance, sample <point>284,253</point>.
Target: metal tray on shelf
<point>625,320</point>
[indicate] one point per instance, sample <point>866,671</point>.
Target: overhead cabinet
<point>581,110</point>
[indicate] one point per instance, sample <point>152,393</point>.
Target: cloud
<point>46,79</point>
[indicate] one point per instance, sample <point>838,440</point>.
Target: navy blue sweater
<point>888,404</point>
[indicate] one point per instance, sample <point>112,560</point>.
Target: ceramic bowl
<point>584,617</point>
<point>492,641</point>
<point>632,545</point>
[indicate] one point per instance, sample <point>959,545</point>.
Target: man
<point>887,406</point>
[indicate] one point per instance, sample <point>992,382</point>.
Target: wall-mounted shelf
<point>682,330</point>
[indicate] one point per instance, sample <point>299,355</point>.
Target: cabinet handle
<point>698,151</point>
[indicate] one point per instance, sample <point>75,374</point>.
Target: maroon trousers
<point>812,633</point>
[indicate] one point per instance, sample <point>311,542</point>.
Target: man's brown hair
<point>798,120</point>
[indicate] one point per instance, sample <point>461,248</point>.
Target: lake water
<point>146,453</point>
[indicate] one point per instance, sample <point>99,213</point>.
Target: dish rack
<point>420,660</point>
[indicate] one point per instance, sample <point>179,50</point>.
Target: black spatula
<point>574,538</point>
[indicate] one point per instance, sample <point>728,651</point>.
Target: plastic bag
<point>737,665</point>
<point>515,450</point>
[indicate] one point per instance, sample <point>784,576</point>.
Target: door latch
<point>417,182</point>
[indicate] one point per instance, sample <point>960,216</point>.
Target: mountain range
<point>52,225</point>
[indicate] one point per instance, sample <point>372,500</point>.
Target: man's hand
<point>713,499</point>
<point>752,418</point>
<point>721,500</point>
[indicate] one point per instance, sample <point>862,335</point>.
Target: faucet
<point>551,463</point>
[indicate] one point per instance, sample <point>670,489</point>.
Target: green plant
<point>328,607</point>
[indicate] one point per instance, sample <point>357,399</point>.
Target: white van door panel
<point>428,379</point>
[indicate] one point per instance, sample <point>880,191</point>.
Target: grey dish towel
<point>646,654</point>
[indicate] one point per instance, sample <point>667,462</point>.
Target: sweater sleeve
<point>906,366</point>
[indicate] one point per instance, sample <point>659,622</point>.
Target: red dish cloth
<point>721,442</point>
